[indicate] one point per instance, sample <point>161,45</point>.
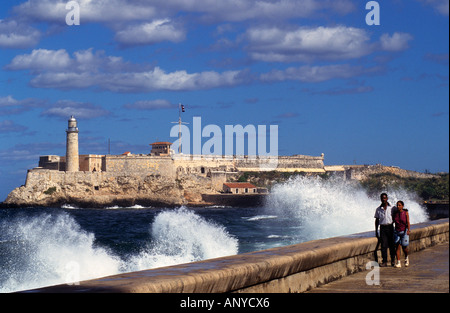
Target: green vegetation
<point>436,188</point>
<point>50,191</point>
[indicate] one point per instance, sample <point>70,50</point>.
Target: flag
<point>182,108</point>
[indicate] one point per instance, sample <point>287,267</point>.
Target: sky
<point>324,72</point>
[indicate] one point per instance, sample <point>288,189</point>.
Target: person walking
<point>383,218</point>
<point>401,232</point>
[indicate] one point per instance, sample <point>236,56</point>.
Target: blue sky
<point>358,93</point>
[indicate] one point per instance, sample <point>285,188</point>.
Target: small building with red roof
<point>239,188</point>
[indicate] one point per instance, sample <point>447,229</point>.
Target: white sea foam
<point>116,207</point>
<point>45,250</point>
<point>53,249</point>
<point>260,217</point>
<point>332,207</point>
<point>182,236</point>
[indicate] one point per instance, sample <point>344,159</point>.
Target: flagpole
<point>180,110</point>
<point>179,127</point>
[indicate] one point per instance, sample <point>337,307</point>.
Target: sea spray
<point>47,249</point>
<point>325,208</point>
<point>181,236</point>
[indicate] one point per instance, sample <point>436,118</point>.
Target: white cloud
<point>117,11</point>
<point>65,108</point>
<point>16,35</point>
<point>150,33</point>
<point>110,11</point>
<point>8,101</point>
<point>56,69</point>
<point>10,106</point>
<point>130,18</point>
<point>89,69</point>
<point>41,59</point>
<point>306,44</point>
<point>396,42</point>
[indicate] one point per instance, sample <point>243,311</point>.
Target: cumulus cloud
<point>94,69</point>
<point>396,42</point>
<point>111,11</point>
<point>150,33</point>
<point>41,59</point>
<point>130,18</point>
<point>117,11</point>
<point>65,108</point>
<point>10,106</point>
<point>57,69</point>
<point>15,35</point>
<point>307,44</point>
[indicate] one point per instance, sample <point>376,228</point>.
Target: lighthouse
<point>72,161</point>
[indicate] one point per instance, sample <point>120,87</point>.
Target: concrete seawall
<point>295,268</point>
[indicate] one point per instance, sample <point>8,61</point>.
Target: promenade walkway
<point>427,273</point>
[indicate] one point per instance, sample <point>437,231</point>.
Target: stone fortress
<point>159,178</point>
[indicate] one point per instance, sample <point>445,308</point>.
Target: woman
<point>401,231</point>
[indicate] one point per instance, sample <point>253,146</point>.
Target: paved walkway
<point>428,273</point>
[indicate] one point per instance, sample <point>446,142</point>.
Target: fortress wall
<point>140,165</point>
<point>194,163</point>
<point>50,177</point>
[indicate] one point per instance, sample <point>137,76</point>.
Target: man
<point>383,217</point>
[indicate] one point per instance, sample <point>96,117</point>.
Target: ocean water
<point>46,246</point>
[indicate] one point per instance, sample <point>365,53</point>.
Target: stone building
<point>160,148</point>
<point>239,188</point>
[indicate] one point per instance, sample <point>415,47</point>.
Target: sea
<point>47,246</point>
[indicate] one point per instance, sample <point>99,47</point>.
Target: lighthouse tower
<point>72,162</point>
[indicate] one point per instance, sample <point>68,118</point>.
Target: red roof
<point>239,185</point>
<point>161,143</point>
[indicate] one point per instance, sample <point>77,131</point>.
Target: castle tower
<point>72,161</point>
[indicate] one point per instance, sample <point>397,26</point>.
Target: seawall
<point>295,268</point>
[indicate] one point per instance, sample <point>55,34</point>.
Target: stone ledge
<point>295,268</point>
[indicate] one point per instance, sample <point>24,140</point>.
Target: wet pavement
<point>428,272</point>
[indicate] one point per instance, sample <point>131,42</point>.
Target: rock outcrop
<point>102,189</point>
